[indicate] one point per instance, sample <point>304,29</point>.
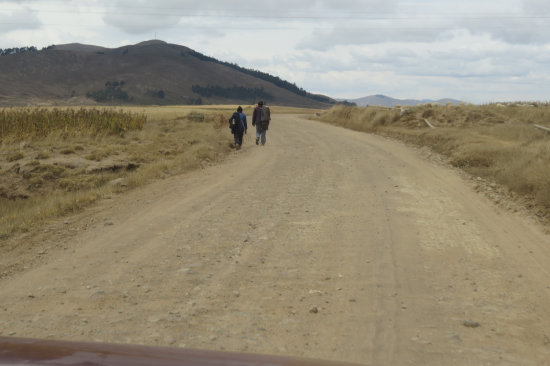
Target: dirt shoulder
<point>325,243</point>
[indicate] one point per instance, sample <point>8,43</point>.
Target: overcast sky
<point>478,51</point>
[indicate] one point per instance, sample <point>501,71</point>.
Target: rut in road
<point>325,243</point>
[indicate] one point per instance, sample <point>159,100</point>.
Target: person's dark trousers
<point>238,135</point>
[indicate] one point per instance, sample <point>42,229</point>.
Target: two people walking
<point>260,119</point>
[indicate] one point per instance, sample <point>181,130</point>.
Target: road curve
<point>326,243</point>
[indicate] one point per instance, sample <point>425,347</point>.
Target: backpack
<point>265,114</point>
<point>265,117</point>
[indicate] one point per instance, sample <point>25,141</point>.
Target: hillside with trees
<point>17,50</point>
<point>152,72</point>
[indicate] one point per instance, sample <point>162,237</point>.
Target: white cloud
<point>17,18</point>
<point>140,16</point>
<point>516,29</point>
<point>376,31</point>
<point>536,7</point>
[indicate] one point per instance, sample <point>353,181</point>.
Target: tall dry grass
<point>496,142</point>
<point>40,122</point>
<point>57,166</point>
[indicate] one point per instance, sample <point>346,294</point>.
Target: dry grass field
<point>56,161</point>
<point>496,143</point>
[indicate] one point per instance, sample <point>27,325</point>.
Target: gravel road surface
<point>325,243</point>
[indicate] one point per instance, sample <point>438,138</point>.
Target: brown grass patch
<point>53,172</point>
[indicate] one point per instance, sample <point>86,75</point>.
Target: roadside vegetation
<point>22,123</point>
<point>55,161</point>
<point>497,143</point>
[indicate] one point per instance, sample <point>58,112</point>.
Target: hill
<point>152,72</point>
<point>385,101</point>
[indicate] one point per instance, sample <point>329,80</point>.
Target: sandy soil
<point>325,243</point>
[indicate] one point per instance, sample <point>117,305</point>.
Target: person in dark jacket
<point>261,123</point>
<point>238,126</point>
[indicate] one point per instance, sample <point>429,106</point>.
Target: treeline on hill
<point>113,91</point>
<point>237,92</point>
<point>267,77</point>
<point>16,50</point>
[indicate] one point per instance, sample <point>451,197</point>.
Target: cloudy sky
<point>478,51</point>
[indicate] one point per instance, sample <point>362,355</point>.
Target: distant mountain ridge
<point>385,101</point>
<point>150,72</point>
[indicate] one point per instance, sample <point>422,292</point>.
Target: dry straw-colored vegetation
<point>21,123</point>
<point>498,142</point>
<point>55,161</point>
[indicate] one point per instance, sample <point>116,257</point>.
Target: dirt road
<point>325,243</point>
